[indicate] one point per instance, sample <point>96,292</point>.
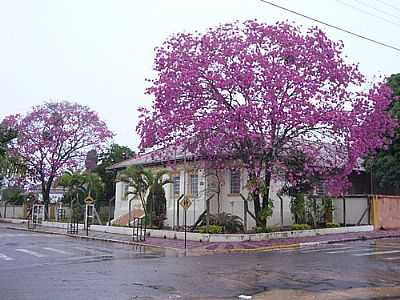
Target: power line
<point>377,9</point>
<point>368,13</point>
<point>332,26</point>
<point>389,5</point>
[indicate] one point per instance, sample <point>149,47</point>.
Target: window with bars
<point>235,182</point>
<point>176,185</point>
<point>194,185</point>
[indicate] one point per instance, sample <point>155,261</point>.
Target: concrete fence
<point>381,211</point>
<point>352,210</point>
<point>20,211</point>
<point>12,211</point>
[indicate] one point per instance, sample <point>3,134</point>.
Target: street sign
<point>89,200</point>
<point>185,203</point>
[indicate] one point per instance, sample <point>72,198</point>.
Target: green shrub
<point>229,223</point>
<point>261,229</point>
<point>272,228</point>
<point>301,227</point>
<point>331,225</point>
<point>214,229</point>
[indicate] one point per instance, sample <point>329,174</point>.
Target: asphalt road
<point>38,266</point>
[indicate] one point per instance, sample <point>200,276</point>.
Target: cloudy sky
<point>99,52</point>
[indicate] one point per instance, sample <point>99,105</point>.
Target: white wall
<point>198,203</point>
<point>229,203</point>
<point>121,205</point>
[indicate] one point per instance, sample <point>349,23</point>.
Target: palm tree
<point>156,203</point>
<point>73,182</point>
<point>78,185</point>
<point>93,184</point>
<point>147,187</point>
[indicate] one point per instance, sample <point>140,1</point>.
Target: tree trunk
<point>255,195</point>
<point>267,182</point>
<point>5,209</point>
<point>46,187</point>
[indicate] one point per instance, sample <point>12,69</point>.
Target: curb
<point>298,245</point>
<point>98,239</point>
<point>215,251</point>
<point>266,249</point>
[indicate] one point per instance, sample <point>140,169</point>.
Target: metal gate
<point>37,216</point>
<point>139,229</point>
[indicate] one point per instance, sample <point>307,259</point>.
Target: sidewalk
<point>204,248</point>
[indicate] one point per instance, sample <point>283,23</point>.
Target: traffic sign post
<point>89,200</point>
<point>88,216</point>
<point>185,204</point>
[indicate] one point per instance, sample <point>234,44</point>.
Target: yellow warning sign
<point>185,203</point>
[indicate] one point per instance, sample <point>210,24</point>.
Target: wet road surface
<point>38,266</point>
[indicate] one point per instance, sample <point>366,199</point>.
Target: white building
<point>199,184</point>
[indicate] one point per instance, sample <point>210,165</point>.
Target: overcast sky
<point>99,52</point>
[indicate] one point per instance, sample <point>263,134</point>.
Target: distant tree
<point>12,195</point>
<point>79,185</point>
<point>385,165</point>
<point>6,136</point>
<point>53,138</point>
<point>112,155</point>
<point>91,161</point>
<point>9,166</point>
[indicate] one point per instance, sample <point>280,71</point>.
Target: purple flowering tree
<point>259,94</point>
<point>53,138</point>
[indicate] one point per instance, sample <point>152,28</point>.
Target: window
<point>235,181</point>
<point>176,184</point>
<point>194,185</point>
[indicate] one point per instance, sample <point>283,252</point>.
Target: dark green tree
<point>114,154</point>
<point>385,165</point>
<point>156,203</point>
<point>8,166</point>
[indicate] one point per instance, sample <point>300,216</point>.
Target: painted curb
<point>203,251</point>
<point>98,239</point>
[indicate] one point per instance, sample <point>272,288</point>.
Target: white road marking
<point>377,253</point>
<point>5,257</point>
<point>85,249</point>
<point>393,246</point>
<point>93,250</point>
<point>392,258</point>
<point>33,253</point>
<point>57,250</point>
<point>90,257</point>
<point>13,234</point>
<point>325,249</point>
<point>349,250</point>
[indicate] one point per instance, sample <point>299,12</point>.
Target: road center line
<point>33,253</point>
<point>56,250</point>
<point>377,253</point>
<point>5,257</point>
